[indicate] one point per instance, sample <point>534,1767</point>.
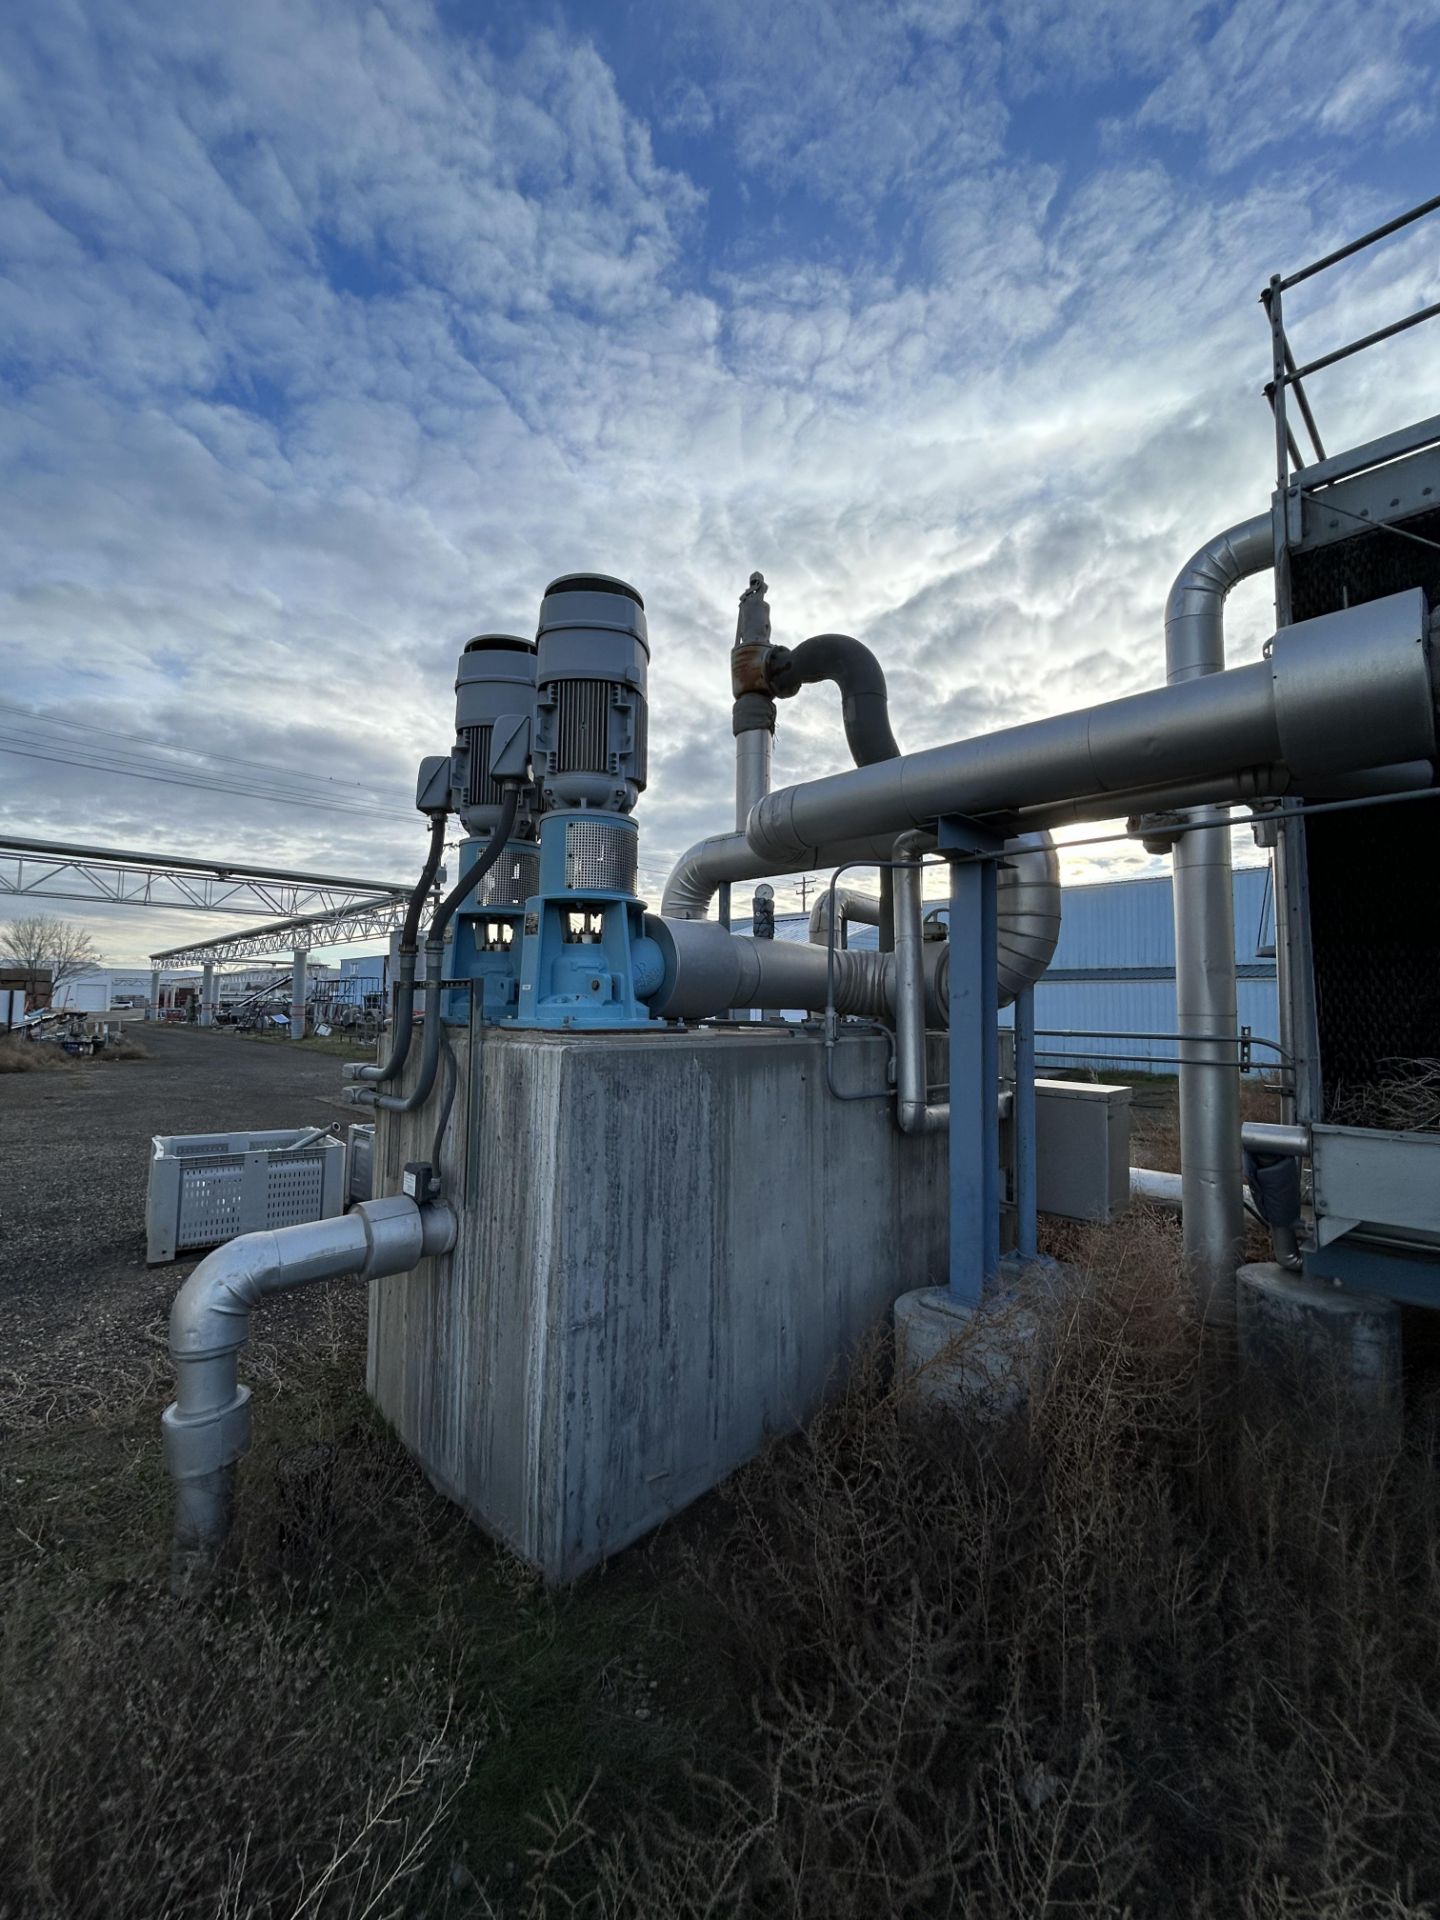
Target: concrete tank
<point>669,1243</point>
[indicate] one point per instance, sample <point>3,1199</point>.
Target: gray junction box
<point>1082,1149</point>
<point>670,1245</point>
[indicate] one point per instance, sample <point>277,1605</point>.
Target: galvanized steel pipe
<point>207,1426</point>
<point>914,1112</point>
<point>1205,992</point>
<point>754,752</point>
<point>1331,698</point>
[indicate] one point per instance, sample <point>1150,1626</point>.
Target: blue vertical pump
<point>586,961</point>
<point>494,718</point>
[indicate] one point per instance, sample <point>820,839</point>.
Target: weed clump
<point>122,1047</point>
<point>1125,1654</point>
<point>34,1056</point>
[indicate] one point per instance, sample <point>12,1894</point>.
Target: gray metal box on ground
<point>359,1163</point>
<point>206,1188</point>
<point>670,1245</point>
<point>1082,1149</point>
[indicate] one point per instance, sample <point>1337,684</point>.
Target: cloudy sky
<point>330,332</point>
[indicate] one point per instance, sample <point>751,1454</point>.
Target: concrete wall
<point>669,1243</point>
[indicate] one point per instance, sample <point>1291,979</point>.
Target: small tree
<point>42,943</point>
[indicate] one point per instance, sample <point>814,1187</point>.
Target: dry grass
<point>1120,1654</point>
<point>1125,1656</point>
<point>122,1047</point>
<point>34,1056</point>
<point>1403,1097</point>
<point>1155,1120</point>
<point>48,1056</point>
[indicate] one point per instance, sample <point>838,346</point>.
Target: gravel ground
<point>82,1318</point>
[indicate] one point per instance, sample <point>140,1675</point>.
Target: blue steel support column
<point>1027,1238</point>
<point>974,1062</point>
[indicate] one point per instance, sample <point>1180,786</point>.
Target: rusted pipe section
<point>753,715</point>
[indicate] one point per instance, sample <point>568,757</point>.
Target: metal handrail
<point>1286,375</point>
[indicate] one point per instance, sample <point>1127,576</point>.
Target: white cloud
<point>331,338</point>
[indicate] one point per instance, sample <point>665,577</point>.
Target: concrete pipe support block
<point>977,1361</point>
<point>1327,1357</point>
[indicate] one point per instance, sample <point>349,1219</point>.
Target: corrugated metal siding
<point>1130,924</point>
<point>1132,1006</point>
<point>1114,972</point>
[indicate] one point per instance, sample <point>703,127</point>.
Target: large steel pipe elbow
<point>206,1428</point>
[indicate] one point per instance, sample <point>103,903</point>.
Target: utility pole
<point>805,883</point>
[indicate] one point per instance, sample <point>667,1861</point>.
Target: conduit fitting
<point>207,1426</point>
<point>1274,1137</point>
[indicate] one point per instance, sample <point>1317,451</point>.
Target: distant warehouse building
<point>1114,973</point>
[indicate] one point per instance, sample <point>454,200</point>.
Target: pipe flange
<point>196,1444</point>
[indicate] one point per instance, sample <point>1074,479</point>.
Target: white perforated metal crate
<point>205,1188</point>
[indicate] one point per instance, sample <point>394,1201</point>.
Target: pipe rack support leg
<point>297,995</point>
<point>1027,1237</point>
<point>974,1062</point>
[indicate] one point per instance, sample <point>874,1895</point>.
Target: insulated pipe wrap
<point>850,904</point>
<point>1194,633</point>
<point>1357,698</point>
<point>1320,728</point>
<point>864,702</point>
<point>1205,990</point>
<point>725,858</point>
<point>708,969</point>
<point>1027,915</point>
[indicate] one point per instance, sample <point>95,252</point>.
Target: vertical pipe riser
<point>1027,1236</point>
<point>1205,994</point>
<point>974,1113</point>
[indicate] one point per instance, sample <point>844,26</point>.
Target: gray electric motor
<point>494,714</point>
<point>592,656</point>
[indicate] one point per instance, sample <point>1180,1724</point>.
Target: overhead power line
<point>113,762</point>
<point>85,729</point>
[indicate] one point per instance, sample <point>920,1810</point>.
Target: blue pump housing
<point>586,960</point>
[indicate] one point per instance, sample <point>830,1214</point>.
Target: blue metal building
<point>1114,972</point>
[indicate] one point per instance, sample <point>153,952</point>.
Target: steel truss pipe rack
<point>46,870</point>
<point>289,936</point>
